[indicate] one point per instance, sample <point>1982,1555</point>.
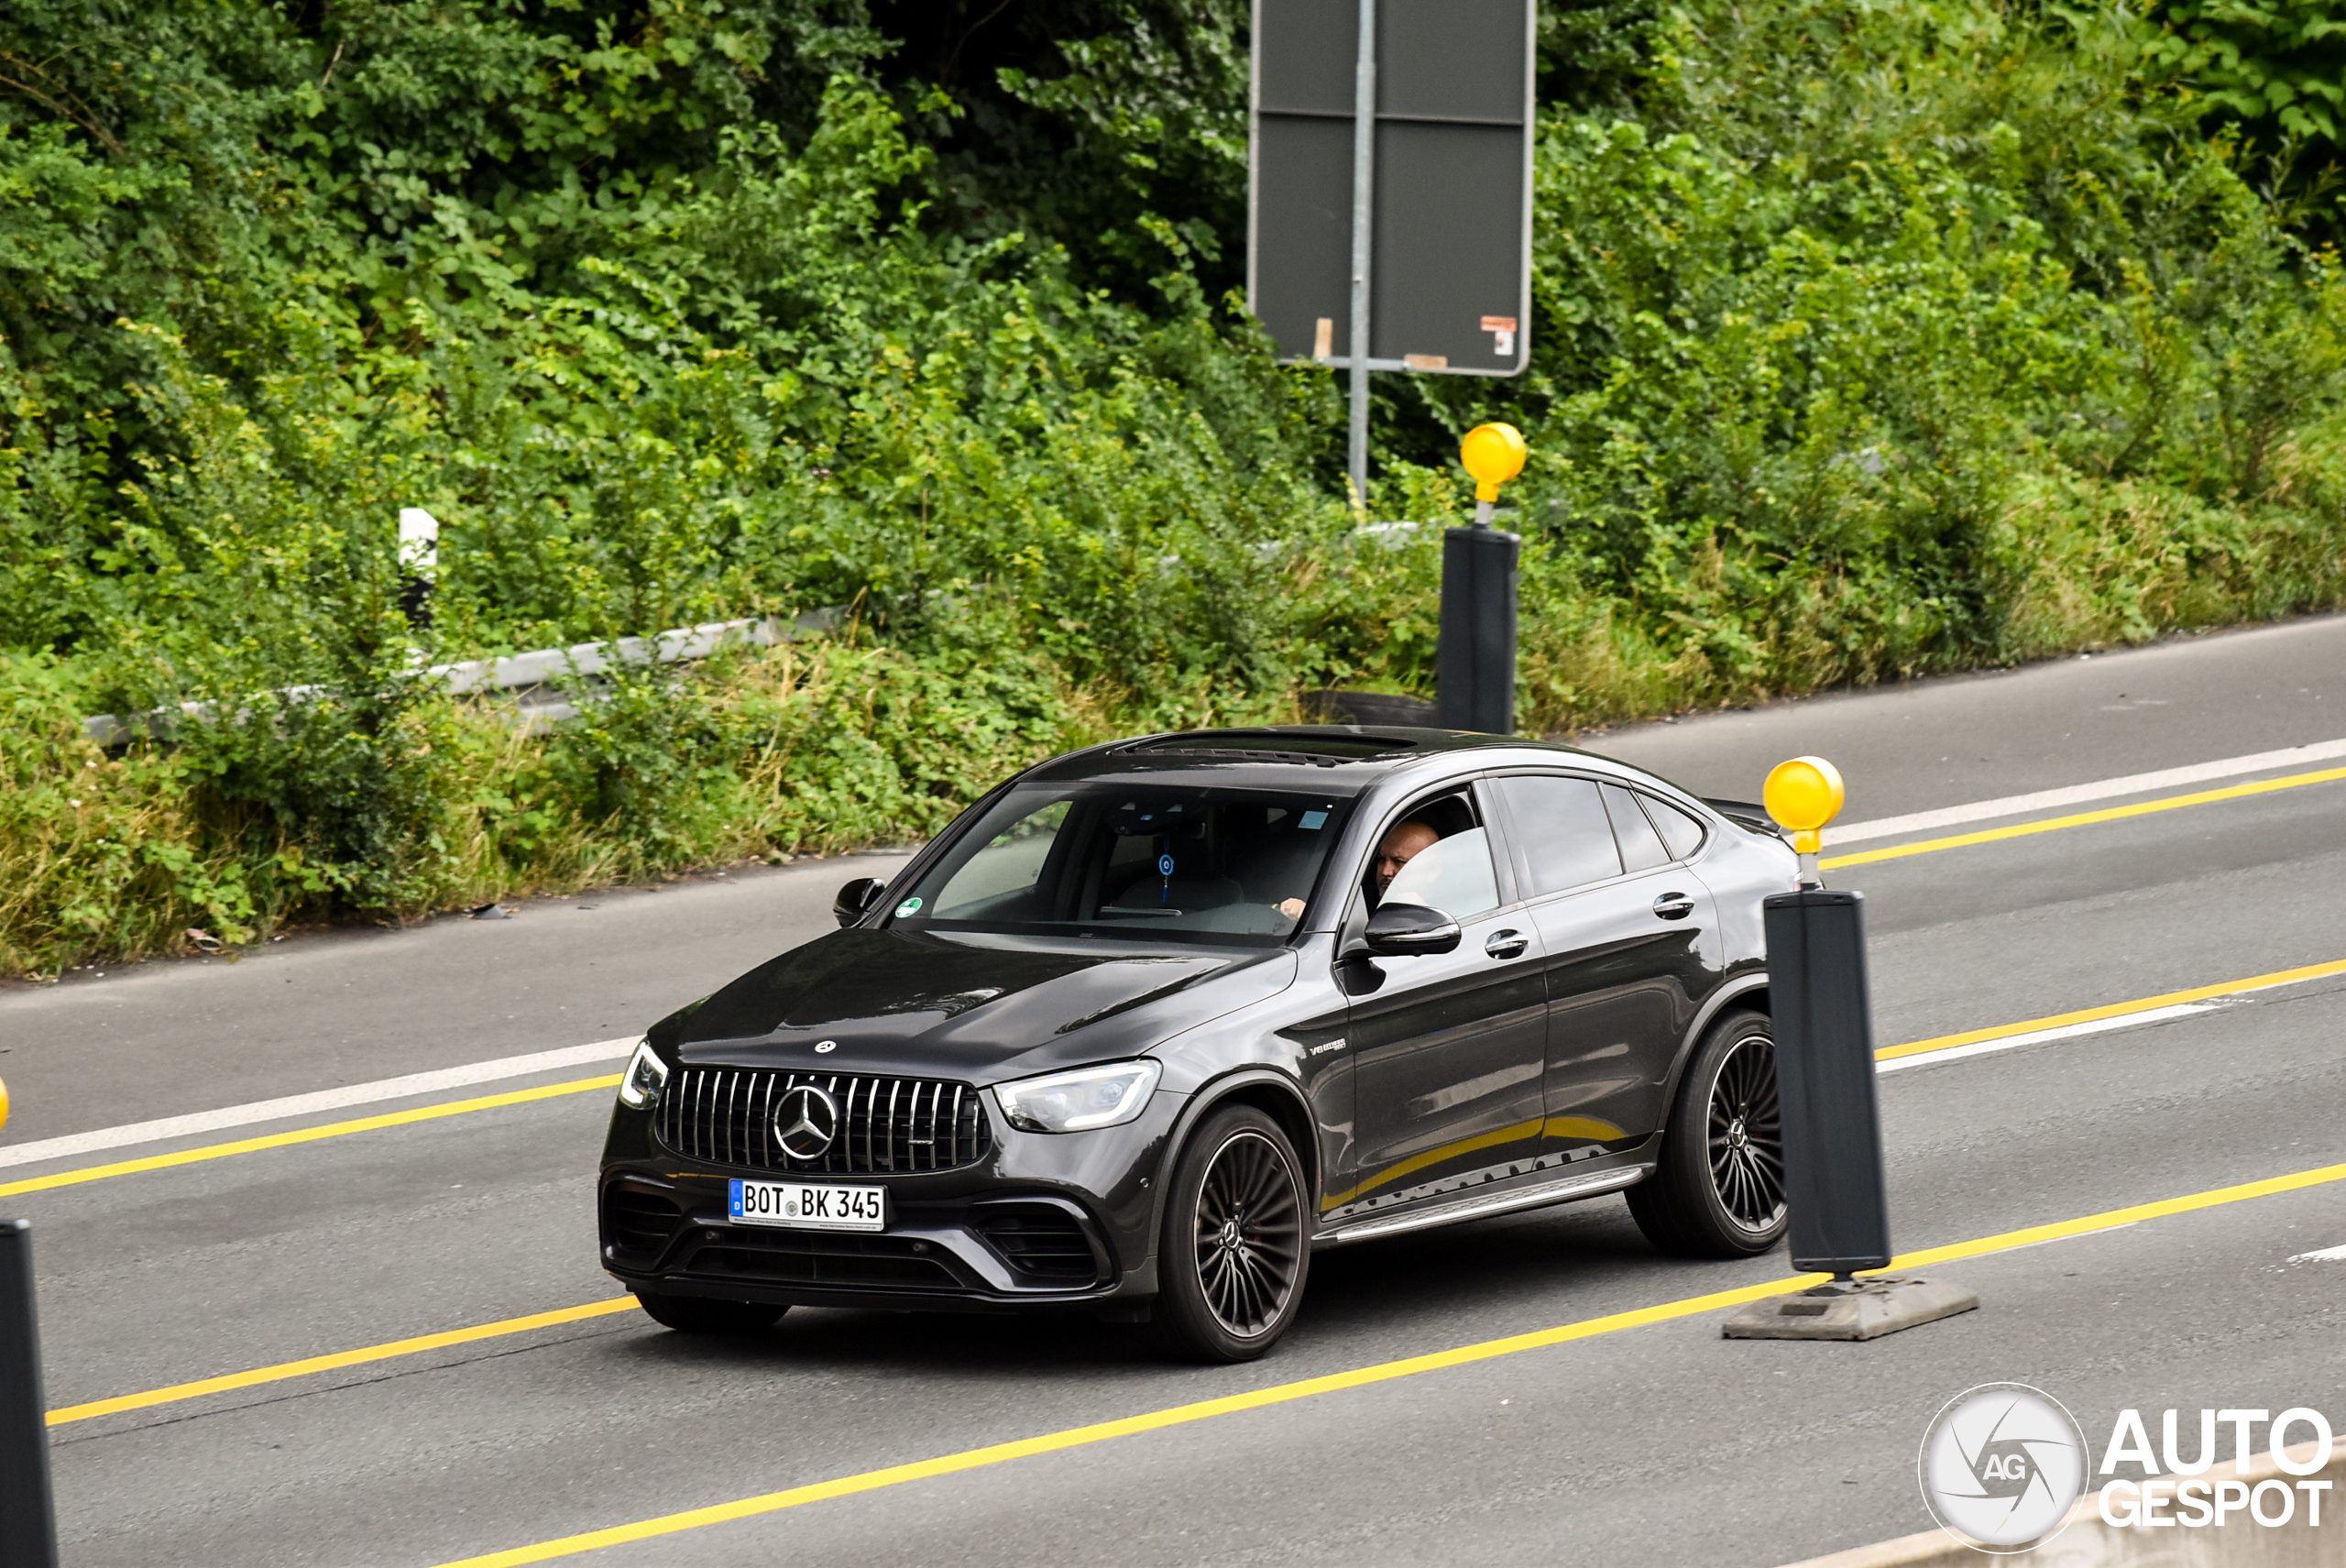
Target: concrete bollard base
<point>1867,1308</point>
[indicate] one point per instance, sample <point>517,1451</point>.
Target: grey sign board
<point>1448,192</point>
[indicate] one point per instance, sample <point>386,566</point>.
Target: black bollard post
<point>27,1518</point>
<point>1816,990</point>
<point>1833,1183</point>
<point>1475,665</point>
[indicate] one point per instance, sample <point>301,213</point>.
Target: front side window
<point>1134,859</point>
<point>1454,875</point>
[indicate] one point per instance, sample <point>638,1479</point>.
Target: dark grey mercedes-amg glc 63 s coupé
<point>1153,1022</point>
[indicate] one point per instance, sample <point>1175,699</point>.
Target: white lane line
<point>324,1099</point>
<point>2077,794</point>
<point>2327,1255</point>
<point>2066,1031</point>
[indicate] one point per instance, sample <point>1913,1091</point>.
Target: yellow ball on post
<point>1494,453</point>
<point>1803,795</point>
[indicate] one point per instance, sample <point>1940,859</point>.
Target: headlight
<point>645,1077</point>
<point>1075,1101</point>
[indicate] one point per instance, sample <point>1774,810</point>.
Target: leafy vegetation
<point>1874,337</point>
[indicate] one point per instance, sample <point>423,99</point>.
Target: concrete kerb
<point>2090,1542</point>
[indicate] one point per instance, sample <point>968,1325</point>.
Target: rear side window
<point>1679,829</point>
<point>1562,827</point>
<point>1641,848</point>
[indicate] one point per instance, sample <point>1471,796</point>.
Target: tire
<point>708,1315</point>
<point>1719,1188</point>
<point>1235,1250</point>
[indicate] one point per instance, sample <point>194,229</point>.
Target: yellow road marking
<point>2053,824</point>
<point>285,1369</point>
<point>2114,1010</point>
<point>1384,1372</point>
<point>305,1135</point>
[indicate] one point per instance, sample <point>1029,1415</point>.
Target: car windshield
<point>1134,859</point>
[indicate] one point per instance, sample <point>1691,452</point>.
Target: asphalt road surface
<point>1639,1437</point>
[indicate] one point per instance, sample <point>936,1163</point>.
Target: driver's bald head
<point>1404,843</point>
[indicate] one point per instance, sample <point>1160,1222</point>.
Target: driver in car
<point>1404,843</point>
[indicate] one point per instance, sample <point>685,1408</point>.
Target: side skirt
<point>1481,1205</point>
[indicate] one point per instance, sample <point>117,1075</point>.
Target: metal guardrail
<point>534,674</point>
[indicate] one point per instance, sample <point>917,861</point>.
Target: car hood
<point>979,1008</point>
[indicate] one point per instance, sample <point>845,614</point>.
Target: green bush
<point>1872,337</point>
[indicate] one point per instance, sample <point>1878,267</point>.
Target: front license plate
<point>809,1206</point>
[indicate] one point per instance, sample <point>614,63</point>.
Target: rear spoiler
<point>1746,814</point>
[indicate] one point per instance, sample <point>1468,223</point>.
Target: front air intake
<point>1042,1243</point>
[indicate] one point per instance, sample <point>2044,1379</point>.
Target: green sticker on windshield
<point>909,906</point>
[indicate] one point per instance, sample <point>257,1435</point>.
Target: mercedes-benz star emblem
<point>806,1122</point>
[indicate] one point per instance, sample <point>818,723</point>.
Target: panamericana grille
<point>725,1115</point>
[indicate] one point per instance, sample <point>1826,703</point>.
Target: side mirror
<point>856,899</point>
<point>1405,930</point>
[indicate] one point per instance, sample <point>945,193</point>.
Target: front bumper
<point>1044,1218</point>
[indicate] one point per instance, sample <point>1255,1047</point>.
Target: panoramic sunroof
<point>1271,746</point>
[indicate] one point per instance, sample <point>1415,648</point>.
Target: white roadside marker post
<point>1825,1081</point>
<point>419,565</point>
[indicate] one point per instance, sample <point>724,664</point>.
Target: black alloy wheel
<point>1747,1133</point>
<point>1719,1189</point>
<point>1235,1253</point>
<point>707,1314</point>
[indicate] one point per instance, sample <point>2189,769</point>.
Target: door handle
<point>1673,907</point>
<point>1509,944</point>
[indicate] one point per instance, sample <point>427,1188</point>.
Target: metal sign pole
<point>1364,198</point>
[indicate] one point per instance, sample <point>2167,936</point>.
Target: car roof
<point>1328,758</point>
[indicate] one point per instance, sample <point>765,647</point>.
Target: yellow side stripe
<point>305,1135</point>
<point>2083,818</point>
<point>2114,1010</point>
<point>1418,1162</point>
<point>285,1369</point>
